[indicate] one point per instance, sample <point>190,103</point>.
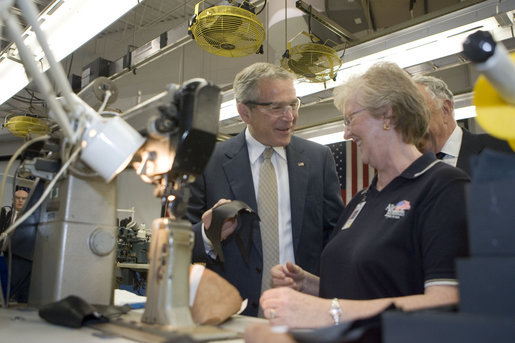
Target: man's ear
<point>244,112</point>
<point>448,110</point>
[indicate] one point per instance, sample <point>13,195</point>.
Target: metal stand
<point>168,275</point>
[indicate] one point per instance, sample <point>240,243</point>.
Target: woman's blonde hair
<point>386,84</point>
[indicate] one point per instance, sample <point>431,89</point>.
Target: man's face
<point>441,124</point>
<point>19,199</point>
<point>266,127</point>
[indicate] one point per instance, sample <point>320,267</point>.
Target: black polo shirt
<point>405,237</point>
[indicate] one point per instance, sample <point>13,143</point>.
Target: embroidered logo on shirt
<point>398,210</point>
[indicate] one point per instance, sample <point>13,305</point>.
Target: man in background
<point>306,188</point>
<point>7,217</point>
<point>451,143</point>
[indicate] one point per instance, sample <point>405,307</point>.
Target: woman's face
<point>366,131</point>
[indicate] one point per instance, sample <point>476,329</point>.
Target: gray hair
<point>386,84</point>
<point>246,82</point>
<point>436,88</point>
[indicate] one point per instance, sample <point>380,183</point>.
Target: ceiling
<point>360,20</point>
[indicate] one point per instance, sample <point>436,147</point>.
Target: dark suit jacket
<point>315,199</point>
<point>473,144</point>
<point>5,218</point>
<point>22,245</point>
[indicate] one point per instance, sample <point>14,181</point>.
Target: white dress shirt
<point>451,148</point>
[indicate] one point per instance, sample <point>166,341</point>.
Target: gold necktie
<point>267,210</point>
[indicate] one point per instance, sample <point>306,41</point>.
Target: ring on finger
<point>272,313</point>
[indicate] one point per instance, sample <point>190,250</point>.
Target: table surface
<point>22,324</point>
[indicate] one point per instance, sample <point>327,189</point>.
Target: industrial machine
<point>72,214</point>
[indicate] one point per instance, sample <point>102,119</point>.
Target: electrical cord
<point>65,153</point>
<point>107,95</point>
<point>262,8</point>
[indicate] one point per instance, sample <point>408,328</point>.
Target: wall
<point>133,192</point>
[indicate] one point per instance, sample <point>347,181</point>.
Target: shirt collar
<point>453,144</point>
<point>416,169</point>
<point>256,148</point>
<point>419,166</point>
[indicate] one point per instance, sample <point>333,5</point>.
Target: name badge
<point>354,214</point>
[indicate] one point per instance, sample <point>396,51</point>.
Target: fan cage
<point>22,126</point>
<point>313,62</point>
<point>228,31</point>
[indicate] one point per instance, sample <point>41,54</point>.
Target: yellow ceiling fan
<point>231,30</point>
<point>313,61</point>
<point>26,125</point>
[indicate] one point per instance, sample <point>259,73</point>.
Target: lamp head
<point>108,145</point>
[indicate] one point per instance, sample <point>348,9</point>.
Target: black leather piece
<point>71,311</point>
<point>247,220</point>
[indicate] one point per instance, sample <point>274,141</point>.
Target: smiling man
<point>305,201</point>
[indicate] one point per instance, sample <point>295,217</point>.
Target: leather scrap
<point>247,220</point>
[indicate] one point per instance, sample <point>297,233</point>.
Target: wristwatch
<point>335,311</point>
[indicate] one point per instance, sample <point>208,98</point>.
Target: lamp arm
<point>30,12</point>
<point>42,81</point>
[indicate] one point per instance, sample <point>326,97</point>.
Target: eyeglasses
<point>347,118</point>
<point>276,109</point>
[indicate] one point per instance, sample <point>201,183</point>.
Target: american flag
<point>353,173</point>
<point>402,205</point>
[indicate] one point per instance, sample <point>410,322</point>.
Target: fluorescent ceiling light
<point>67,25</point>
<point>13,78</point>
<point>465,112</point>
<point>430,40</point>
<point>328,139</point>
<point>428,48</point>
<point>228,110</point>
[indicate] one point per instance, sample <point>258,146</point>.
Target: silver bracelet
<point>335,311</point>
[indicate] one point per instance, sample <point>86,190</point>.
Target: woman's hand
<point>288,275</point>
<point>287,307</point>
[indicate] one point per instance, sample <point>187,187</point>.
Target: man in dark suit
<point>453,144</point>
<point>20,271</point>
<point>8,217</point>
<point>309,200</point>
<point>5,217</point>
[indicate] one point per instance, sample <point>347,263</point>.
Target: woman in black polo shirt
<point>396,241</point>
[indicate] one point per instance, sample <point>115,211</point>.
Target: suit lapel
<point>298,167</point>
<point>239,176</point>
<point>469,147</point>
